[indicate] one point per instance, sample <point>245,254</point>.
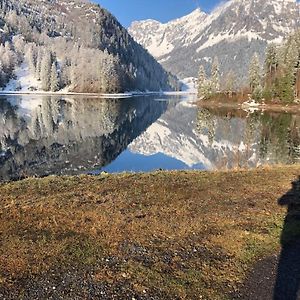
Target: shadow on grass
<point>288,272</point>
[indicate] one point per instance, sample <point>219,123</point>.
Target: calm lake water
<point>74,135</point>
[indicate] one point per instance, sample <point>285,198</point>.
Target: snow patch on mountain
<point>160,38</point>
<point>233,32</point>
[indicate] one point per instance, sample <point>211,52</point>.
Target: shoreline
<point>100,95</point>
<point>271,107</point>
<point>164,235</point>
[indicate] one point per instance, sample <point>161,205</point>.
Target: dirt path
<point>261,280</point>
<point>276,277</point>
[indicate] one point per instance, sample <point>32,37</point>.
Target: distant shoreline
<point>118,95</point>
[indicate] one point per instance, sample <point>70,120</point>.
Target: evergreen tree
<point>203,83</point>
<point>270,71</point>
<point>271,61</point>
<point>215,76</point>
<point>287,70</point>
<point>297,84</point>
<point>282,74</point>
<point>290,70</point>
<point>230,82</point>
<point>255,78</point>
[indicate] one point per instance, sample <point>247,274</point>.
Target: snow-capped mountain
<point>161,39</point>
<point>232,32</point>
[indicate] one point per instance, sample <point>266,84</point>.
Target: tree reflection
<point>252,139</point>
<point>68,135</point>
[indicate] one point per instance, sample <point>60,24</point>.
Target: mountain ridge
<point>233,32</point>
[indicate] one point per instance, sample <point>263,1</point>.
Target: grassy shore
<point>164,235</point>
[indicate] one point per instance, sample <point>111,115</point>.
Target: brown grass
<point>181,234</point>
<point>225,97</point>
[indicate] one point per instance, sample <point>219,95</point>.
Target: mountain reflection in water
<point>59,135</point>
<point>214,139</point>
<point>74,135</point>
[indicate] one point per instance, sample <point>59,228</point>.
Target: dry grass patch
<point>173,235</point>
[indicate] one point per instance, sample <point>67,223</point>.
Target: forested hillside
<point>74,44</point>
<point>282,70</point>
<point>277,78</point>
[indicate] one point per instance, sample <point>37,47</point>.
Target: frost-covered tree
<point>65,76</point>
<point>54,80</point>
<point>46,65</point>
<point>39,59</point>
<point>9,58</point>
<point>85,47</point>
<point>203,83</point>
<point>19,47</point>
<point>2,75</point>
<point>215,76</point>
<point>31,58</point>
<point>109,75</point>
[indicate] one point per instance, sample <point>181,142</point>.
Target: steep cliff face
<point>232,32</point>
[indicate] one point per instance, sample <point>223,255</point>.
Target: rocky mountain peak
<point>233,32</point>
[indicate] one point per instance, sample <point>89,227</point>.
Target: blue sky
<point>163,10</point>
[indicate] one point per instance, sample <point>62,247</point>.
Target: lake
<point>69,135</point>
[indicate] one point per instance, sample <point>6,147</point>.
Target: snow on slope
<point>233,32</point>
<point>160,39</point>
<point>189,85</point>
<point>24,81</point>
